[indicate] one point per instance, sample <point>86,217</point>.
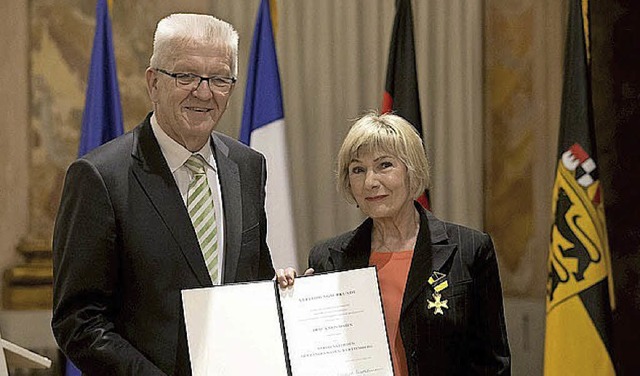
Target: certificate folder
<point>326,324</point>
<point>14,356</point>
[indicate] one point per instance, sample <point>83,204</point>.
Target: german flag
<point>401,95</point>
<point>579,286</point>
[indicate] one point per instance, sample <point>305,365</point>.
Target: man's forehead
<point>217,57</point>
<point>213,51</point>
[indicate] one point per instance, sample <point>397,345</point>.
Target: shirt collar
<point>176,154</point>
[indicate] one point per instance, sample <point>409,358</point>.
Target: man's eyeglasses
<point>191,82</point>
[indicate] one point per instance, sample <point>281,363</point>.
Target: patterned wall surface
<point>61,37</point>
<point>523,63</point>
<point>509,79</point>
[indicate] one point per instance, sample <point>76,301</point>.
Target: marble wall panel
<point>509,77</point>
<point>14,140</point>
<point>523,60</point>
<point>61,39</point>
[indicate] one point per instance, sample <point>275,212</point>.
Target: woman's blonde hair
<point>386,133</point>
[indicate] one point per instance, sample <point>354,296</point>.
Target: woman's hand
<point>286,277</point>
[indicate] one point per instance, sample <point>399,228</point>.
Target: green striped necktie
<point>202,213</point>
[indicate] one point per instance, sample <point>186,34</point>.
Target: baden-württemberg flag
<point>263,129</point>
<point>579,285</point>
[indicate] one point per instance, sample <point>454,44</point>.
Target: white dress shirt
<point>175,155</point>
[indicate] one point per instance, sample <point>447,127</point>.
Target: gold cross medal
<point>439,283</point>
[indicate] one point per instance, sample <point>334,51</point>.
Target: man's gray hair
<point>184,30</point>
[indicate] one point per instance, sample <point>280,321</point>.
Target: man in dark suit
<point>171,205</point>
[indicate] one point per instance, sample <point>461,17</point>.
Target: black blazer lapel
<point>431,254</point>
<point>354,251</point>
<point>440,246</point>
<point>229,178</point>
<point>152,173</point>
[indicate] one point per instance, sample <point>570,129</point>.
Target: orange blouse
<point>393,269</point>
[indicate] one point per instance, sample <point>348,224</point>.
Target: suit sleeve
<point>85,285</point>
<point>317,260</point>
<point>489,350</point>
<point>265,270</point>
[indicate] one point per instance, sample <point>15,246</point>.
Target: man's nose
<point>203,90</point>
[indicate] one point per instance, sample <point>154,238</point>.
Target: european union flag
<point>102,116</point>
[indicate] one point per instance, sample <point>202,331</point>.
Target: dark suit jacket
<point>470,338</point>
<point>124,247</point>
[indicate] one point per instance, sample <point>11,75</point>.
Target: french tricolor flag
<point>263,129</point>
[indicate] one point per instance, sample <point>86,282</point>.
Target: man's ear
<point>152,84</point>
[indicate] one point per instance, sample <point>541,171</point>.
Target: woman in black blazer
<point>440,285</point>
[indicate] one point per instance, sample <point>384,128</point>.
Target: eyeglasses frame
<point>229,81</point>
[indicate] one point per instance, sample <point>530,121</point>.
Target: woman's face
<point>380,184</point>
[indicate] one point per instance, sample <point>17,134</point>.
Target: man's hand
<point>286,277</point>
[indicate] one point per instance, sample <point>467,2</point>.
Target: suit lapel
<point>354,251</point>
<point>152,173</point>
<point>229,177</point>
<point>431,254</point>
<point>440,245</point>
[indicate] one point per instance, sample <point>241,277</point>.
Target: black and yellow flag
<point>579,285</point>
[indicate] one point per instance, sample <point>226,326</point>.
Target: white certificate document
<point>327,325</point>
<point>334,325</point>
<point>234,330</point>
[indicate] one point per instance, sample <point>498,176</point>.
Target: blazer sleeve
<point>321,259</point>
<point>265,269</point>
<point>489,346</point>
<point>317,259</point>
<point>85,283</point>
